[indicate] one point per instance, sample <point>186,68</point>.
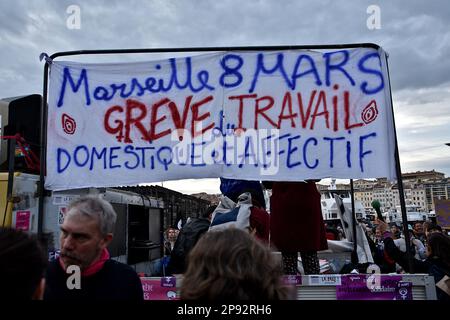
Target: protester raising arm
<point>394,253</point>
<point>437,263</point>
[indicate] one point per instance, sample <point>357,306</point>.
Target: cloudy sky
<point>416,35</point>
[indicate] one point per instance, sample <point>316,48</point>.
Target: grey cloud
<point>415,34</point>
<point>441,164</point>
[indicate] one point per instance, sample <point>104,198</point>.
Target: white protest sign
<point>279,115</point>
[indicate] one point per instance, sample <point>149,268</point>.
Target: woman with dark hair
<point>437,263</point>
<point>231,265</point>
<point>431,227</point>
<point>439,248</point>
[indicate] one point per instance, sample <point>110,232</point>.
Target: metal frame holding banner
<point>259,113</point>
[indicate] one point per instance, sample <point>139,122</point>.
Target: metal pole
<point>42,150</point>
<point>203,49</point>
<point>11,155</point>
<point>403,209</point>
<point>398,171</point>
<point>11,158</point>
<point>355,259</point>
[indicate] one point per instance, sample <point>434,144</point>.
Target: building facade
<point>421,189</point>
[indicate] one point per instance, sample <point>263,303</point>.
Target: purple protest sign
<point>292,280</point>
<point>168,282</point>
<point>367,287</point>
<point>403,291</point>
<point>153,290</point>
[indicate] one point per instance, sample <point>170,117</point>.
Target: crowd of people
<point>224,254</point>
<point>430,252</point>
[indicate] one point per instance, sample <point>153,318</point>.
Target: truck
<point>143,212</point>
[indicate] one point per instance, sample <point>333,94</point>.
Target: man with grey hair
<point>86,232</point>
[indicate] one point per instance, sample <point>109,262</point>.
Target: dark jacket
<point>167,248</point>
<point>432,265</point>
<point>380,257</point>
<point>115,281</point>
<point>187,238</point>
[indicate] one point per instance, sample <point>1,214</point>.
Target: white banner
<point>281,115</point>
